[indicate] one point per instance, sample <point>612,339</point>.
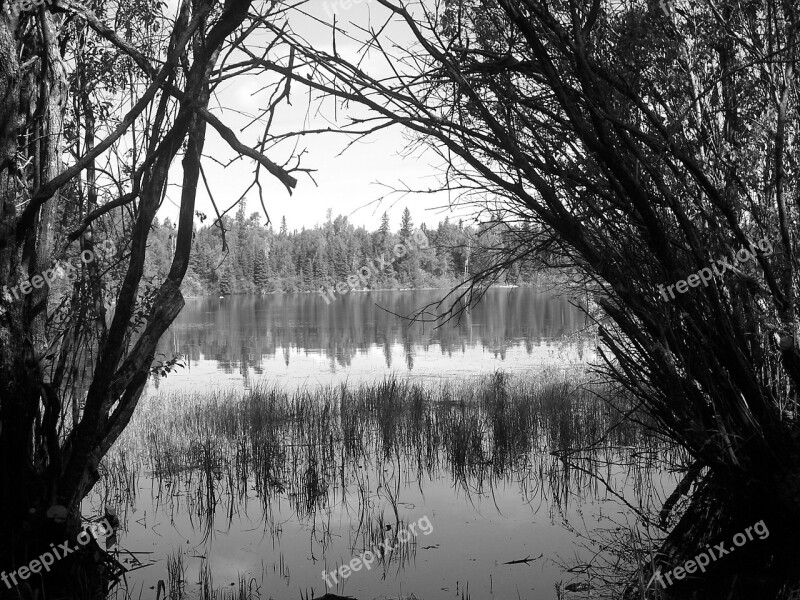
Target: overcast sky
<point>350,183</point>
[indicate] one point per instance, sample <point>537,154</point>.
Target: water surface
<point>276,497</point>
<point>300,340</point>
<point>277,490</point>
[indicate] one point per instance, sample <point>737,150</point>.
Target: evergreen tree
<point>406,226</point>
<point>226,282</point>
<point>310,275</point>
<point>384,229</point>
<point>260,274</point>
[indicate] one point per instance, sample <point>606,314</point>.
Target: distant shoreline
<point>420,289</point>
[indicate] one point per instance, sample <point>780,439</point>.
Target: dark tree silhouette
<point>638,145</point>
<point>63,69</point>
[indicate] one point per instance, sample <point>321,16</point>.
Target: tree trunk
<point>720,509</point>
<point>32,99</point>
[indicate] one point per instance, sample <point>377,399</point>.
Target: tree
<point>226,282</point>
<point>642,145</point>
<point>260,272</point>
<point>408,264</point>
<point>406,226</point>
<point>384,229</point>
<point>66,76</point>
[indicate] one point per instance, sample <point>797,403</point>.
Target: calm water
<point>480,520</point>
<point>324,494</point>
<point>299,340</point>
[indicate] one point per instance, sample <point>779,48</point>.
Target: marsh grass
<point>176,576</point>
<point>553,434</point>
<point>310,446</point>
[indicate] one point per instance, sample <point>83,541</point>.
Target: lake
<point>300,340</point>
<point>301,435</point>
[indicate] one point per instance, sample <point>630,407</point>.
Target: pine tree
<point>406,226</point>
<point>384,229</point>
<point>240,212</point>
<point>308,282</point>
<point>260,274</point>
<point>283,231</point>
<point>226,283</point>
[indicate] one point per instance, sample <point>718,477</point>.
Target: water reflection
<point>299,339</point>
<point>280,487</point>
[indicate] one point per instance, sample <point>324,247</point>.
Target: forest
<point>254,259</point>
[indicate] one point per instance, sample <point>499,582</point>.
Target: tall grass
<point>553,434</point>
<point>316,447</point>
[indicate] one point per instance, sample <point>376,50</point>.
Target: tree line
<point>240,255</point>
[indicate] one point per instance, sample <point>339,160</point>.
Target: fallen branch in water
<point>525,560</point>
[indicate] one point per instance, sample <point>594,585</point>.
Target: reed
<point>551,433</point>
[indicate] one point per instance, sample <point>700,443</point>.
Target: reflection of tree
<point>387,353</point>
<point>408,351</point>
<point>244,363</point>
<point>261,327</point>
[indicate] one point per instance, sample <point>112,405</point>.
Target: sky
<point>354,183</point>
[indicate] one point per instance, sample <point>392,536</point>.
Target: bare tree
<point>649,145</point>
<point>93,118</point>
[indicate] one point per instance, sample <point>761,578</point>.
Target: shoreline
<point>418,289</point>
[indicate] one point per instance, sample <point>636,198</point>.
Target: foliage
<point>104,107</point>
<point>260,261</point>
<point>641,140</point>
